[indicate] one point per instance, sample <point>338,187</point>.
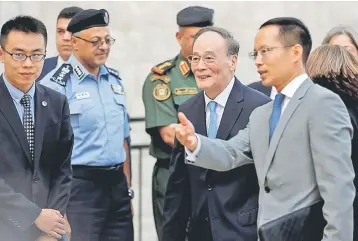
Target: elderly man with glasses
<point>100,201</point>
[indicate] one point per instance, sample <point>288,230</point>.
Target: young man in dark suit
<point>220,205</point>
<point>36,139</point>
<point>63,41</point>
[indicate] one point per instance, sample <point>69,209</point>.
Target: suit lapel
<point>7,107</point>
<point>41,101</point>
<point>198,117</point>
<point>232,111</point>
<point>286,116</point>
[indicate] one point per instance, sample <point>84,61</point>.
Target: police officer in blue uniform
<point>100,203</point>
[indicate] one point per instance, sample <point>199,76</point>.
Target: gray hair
<point>342,30</point>
<point>232,44</point>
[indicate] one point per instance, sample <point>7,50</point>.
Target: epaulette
<point>62,74</point>
<point>162,68</point>
<point>113,72</point>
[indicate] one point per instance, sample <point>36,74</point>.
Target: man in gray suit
<point>300,143</point>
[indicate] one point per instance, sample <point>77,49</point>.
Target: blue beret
<point>195,16</point>
<point>88,18</point>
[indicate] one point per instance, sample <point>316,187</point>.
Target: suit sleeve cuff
<point>191,155</point>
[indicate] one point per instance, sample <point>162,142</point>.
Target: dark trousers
<point>99,207</point>
<point>159,185</point>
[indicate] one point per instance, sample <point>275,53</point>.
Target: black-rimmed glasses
<point>96,43</point>
<point>23,57</point>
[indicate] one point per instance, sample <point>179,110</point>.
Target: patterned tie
<point>28,123</point>
<point>213,125</point>
<point>276,112</point>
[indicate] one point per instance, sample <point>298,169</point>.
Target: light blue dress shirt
<point>17,95</point>
<point>98,115</point>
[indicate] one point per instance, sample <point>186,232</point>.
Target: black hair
<point>293,31</point>
<point>69,12</point>
<point>22,23</point>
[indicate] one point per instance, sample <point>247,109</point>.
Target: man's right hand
<point>185,132</point>
<point>51,222</point>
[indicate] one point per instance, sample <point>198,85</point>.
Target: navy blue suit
<point>49,65</point>
<point>221,206</point>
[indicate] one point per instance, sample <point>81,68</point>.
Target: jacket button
<point>267,189</point>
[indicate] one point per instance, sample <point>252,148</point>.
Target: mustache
<point>101,52</point>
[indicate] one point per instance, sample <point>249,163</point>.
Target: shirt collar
<point>17,94</point>
<point>222,98</point>
<point>81,72</point>
<point>291,87</point>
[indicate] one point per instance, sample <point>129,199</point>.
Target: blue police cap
<point>195,16</point>
<point>88,18</point>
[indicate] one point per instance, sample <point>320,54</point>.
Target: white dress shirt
<point>220,100</point>
<point>288,91</point>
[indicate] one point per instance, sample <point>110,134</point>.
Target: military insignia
<point>163,78</point>
<point>106,17</point>
<point>161,92</point>
<point>62,74</point>
<point>184,67</point>
<point>113,72</point>
<point>163,67</point>
<point>117,89</point>
<point>185,91</point>
<point>79,72</point>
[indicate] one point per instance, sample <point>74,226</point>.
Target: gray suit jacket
<point>307,160</point>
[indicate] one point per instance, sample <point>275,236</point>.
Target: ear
<point>74,44</point>
<point>297,52</point>
<point>178,36</point>
<point>1,55</point>
<point>233,64</point>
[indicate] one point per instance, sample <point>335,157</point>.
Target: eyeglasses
<point>207,59</point>
<point>97,43</point>
<point>23,57</point>
<point>262,53</point>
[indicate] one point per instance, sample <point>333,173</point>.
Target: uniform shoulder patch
<point>62,74</point>
<point>162,68</point>
<point>163,78</point>
<point>113,72</point>
<point>161,92</point>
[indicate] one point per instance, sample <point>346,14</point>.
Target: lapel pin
<point>44,103</point>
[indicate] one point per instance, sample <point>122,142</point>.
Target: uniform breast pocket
<point>119,108</point>
<point>83,114</point>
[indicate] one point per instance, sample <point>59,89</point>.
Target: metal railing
<point>140,148</point>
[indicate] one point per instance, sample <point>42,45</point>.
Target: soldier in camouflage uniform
<point>168,85</point>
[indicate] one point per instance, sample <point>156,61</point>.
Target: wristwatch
<point>130,193</point>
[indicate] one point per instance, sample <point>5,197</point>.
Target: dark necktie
<point>276,112</point>
<point>28,123</point>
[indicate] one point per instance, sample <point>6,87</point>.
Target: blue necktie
<point>276,112</point>
<point>213,125</point>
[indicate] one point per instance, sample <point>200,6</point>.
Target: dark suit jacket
<point>261,88</point>
<point>232,197</point>
<point>28,186</point>
<point>49,65</point>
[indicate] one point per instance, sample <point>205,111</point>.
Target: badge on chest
<point>82,95</point>
<point>117,89</point>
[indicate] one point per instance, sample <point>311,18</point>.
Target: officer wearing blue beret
<point>100,202</point>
